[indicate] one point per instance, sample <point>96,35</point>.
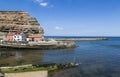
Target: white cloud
<point>39,0</point>
<point>58,28</point>
<point>44,4</point>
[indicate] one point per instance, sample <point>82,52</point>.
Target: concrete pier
<point>78,39</point>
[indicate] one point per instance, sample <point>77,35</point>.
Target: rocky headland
<point>18,21</point>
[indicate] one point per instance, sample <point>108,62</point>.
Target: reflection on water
<point>19,57</point>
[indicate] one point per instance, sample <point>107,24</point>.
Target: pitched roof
<point>14,33</point>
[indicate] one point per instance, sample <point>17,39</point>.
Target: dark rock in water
<point>43,64</point>
<point>59,66</point>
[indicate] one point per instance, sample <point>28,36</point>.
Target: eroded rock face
<point>19,21</point>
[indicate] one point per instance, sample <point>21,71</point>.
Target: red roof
<point>14,33</point>
<point>10,34</point>
<point>35,36</point>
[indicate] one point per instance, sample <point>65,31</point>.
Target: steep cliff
<point>19,21</point>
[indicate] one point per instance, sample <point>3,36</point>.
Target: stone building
<point>36,37</point>
<point>15,36</point>
<point>9,36</point>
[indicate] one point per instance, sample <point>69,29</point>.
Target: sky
<point>71,17</point>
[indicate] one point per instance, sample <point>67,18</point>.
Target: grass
<point>30,69</point>
<point>50,68</point>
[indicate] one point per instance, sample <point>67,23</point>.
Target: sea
<point>95,58</point>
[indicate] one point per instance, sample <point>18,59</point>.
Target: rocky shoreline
<point>34,70</point>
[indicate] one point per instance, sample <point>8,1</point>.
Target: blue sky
<point>72,17</point>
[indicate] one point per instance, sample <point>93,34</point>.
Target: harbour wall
<point>38,45</point>
<point>78,39</point>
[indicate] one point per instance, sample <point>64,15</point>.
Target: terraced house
<point>15,36</point>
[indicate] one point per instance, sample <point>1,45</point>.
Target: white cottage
<point>19,37</point>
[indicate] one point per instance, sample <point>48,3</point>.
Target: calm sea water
<point>96,58</point>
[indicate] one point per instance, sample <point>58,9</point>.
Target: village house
<point>35,37</point>
<point>19,36</point>
<point>9,36</point>
<point>15,36</point>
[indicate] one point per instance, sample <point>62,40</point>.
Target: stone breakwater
<point>79,39</point>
